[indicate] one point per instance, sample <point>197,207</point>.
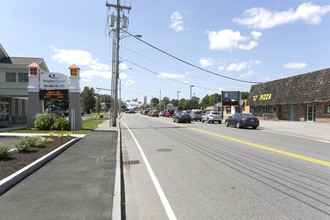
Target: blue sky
<point>253,40</point>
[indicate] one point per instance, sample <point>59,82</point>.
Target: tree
<point>185,104</point>
<point>205,102</point>
<point>195,102</point>
<point>154,102</point>
<point>87,99</point>
<point>214,99</point>
<point>244,95</point>
<point>175,102</point>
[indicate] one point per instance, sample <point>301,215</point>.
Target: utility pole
<point>115,59</point>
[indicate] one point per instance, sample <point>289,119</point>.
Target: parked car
<point>181,117</point>
<point>212,116</point>
<point>242,120</point>
<point>196,115</point>
<point>169,113</point>
<point>154,113</point>
<point>145,112</point>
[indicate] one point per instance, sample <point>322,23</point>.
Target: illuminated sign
<point>54,81</point>
<point>230,98</point>
<point>53,94</point>
<point>263,97</point>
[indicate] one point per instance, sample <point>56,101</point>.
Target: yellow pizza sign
<point>263,97</point>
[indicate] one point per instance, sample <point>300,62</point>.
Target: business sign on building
<point>230,98</point>
<point>53,94</point>
<point>51,81</point>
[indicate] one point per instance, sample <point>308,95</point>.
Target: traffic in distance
<point>238,120</point>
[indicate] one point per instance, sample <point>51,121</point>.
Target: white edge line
<point>159,189</point>
<point>293,135</point>
<point>116,206</point>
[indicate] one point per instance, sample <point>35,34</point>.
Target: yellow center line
<point>254,145</point>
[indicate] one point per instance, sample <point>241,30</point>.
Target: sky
<point>248,41</point>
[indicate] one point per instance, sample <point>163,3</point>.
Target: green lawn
<point>88,126</point>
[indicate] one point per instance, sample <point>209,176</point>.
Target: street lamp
<point>193,101</point>
<point>177,96</point>
<point>190,92</point>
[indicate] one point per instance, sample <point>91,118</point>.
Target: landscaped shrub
<point>45,120</point>
<point>61,124</point>
<point>35,141</point>
<point>22,145</point>
<point>4,151</point>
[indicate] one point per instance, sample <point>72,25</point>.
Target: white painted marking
<point>159,189</point>
<point>293,135</point>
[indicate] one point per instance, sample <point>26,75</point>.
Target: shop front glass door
<point>310,113</point>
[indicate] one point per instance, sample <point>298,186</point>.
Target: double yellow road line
<point>322,162</point>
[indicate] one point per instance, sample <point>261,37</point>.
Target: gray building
<point>14,87</point>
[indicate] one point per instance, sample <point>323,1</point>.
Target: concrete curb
<point>9,182</point>
<point>116,206</point>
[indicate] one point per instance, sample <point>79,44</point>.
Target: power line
<point>190,64</point>
<point>153,72</point>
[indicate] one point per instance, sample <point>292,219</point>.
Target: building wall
<point>320,113</point>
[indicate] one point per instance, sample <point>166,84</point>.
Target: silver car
<point>212,116</point>
<point>196,115</point>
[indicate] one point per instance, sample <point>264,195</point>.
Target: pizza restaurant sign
<point>262,97</point>
<point>52,81</point>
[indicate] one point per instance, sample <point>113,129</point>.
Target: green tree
<point>244,95</point>
<point>87,99</point>
<point>175,102</point>
<point>205,102</point>
<point>214,99</point>
<point>195,102</point>
<point>154,102</point>
<point>185,104</point>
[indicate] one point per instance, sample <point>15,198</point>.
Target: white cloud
<point>206,62</point>
<point>123,76</point>
<point>250,73</point>
<point>221,68</point>
<point>123,66</point>
<point>261,18</point>
<point>295,65</point>
<point>229,40</point>
<point>256,35</point>
<point>220,89</point>
<point>170,75</point>
<point>69,57</point>
<point>177,22</point>
<point>99,66</point>
<point>186,82</point>
<point>242,65</point>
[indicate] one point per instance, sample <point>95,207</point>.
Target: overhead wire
<point>188,63</point>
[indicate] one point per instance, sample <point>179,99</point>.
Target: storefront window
<point>265,109</point>
<point>327,109</point>
<point>10,77</point>
<point>23,77</point>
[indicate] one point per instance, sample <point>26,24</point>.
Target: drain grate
<point>164,150</point>
<point>131,162</point>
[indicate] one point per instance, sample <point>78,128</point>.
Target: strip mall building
<point>304,97</point>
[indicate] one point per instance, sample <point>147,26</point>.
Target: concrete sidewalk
<point>315,130</point>
<point>77,184</point>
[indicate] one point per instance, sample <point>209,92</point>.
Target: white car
<point>212,116</point>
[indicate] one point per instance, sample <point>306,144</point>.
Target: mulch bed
<point>20,160</point>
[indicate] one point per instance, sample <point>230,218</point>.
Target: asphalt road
<point>209,171</point>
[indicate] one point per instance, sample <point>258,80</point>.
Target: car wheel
<point>220,122</point>
<point>254,127</point>
<point>202,121</point>
<point>208,120</point>
<point>238,125</point>
<point>189,121</point>
<point>226,123</point>
<point>212,122</point>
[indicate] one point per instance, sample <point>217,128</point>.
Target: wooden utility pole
<point>115,60</point>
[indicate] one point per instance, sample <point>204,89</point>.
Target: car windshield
<point>197,112</point>
<point>247,116</point>
<point>215,113</point>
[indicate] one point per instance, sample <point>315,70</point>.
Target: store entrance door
<point>310,113</point>
<point>4,113</point>
<point>291,113</point>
